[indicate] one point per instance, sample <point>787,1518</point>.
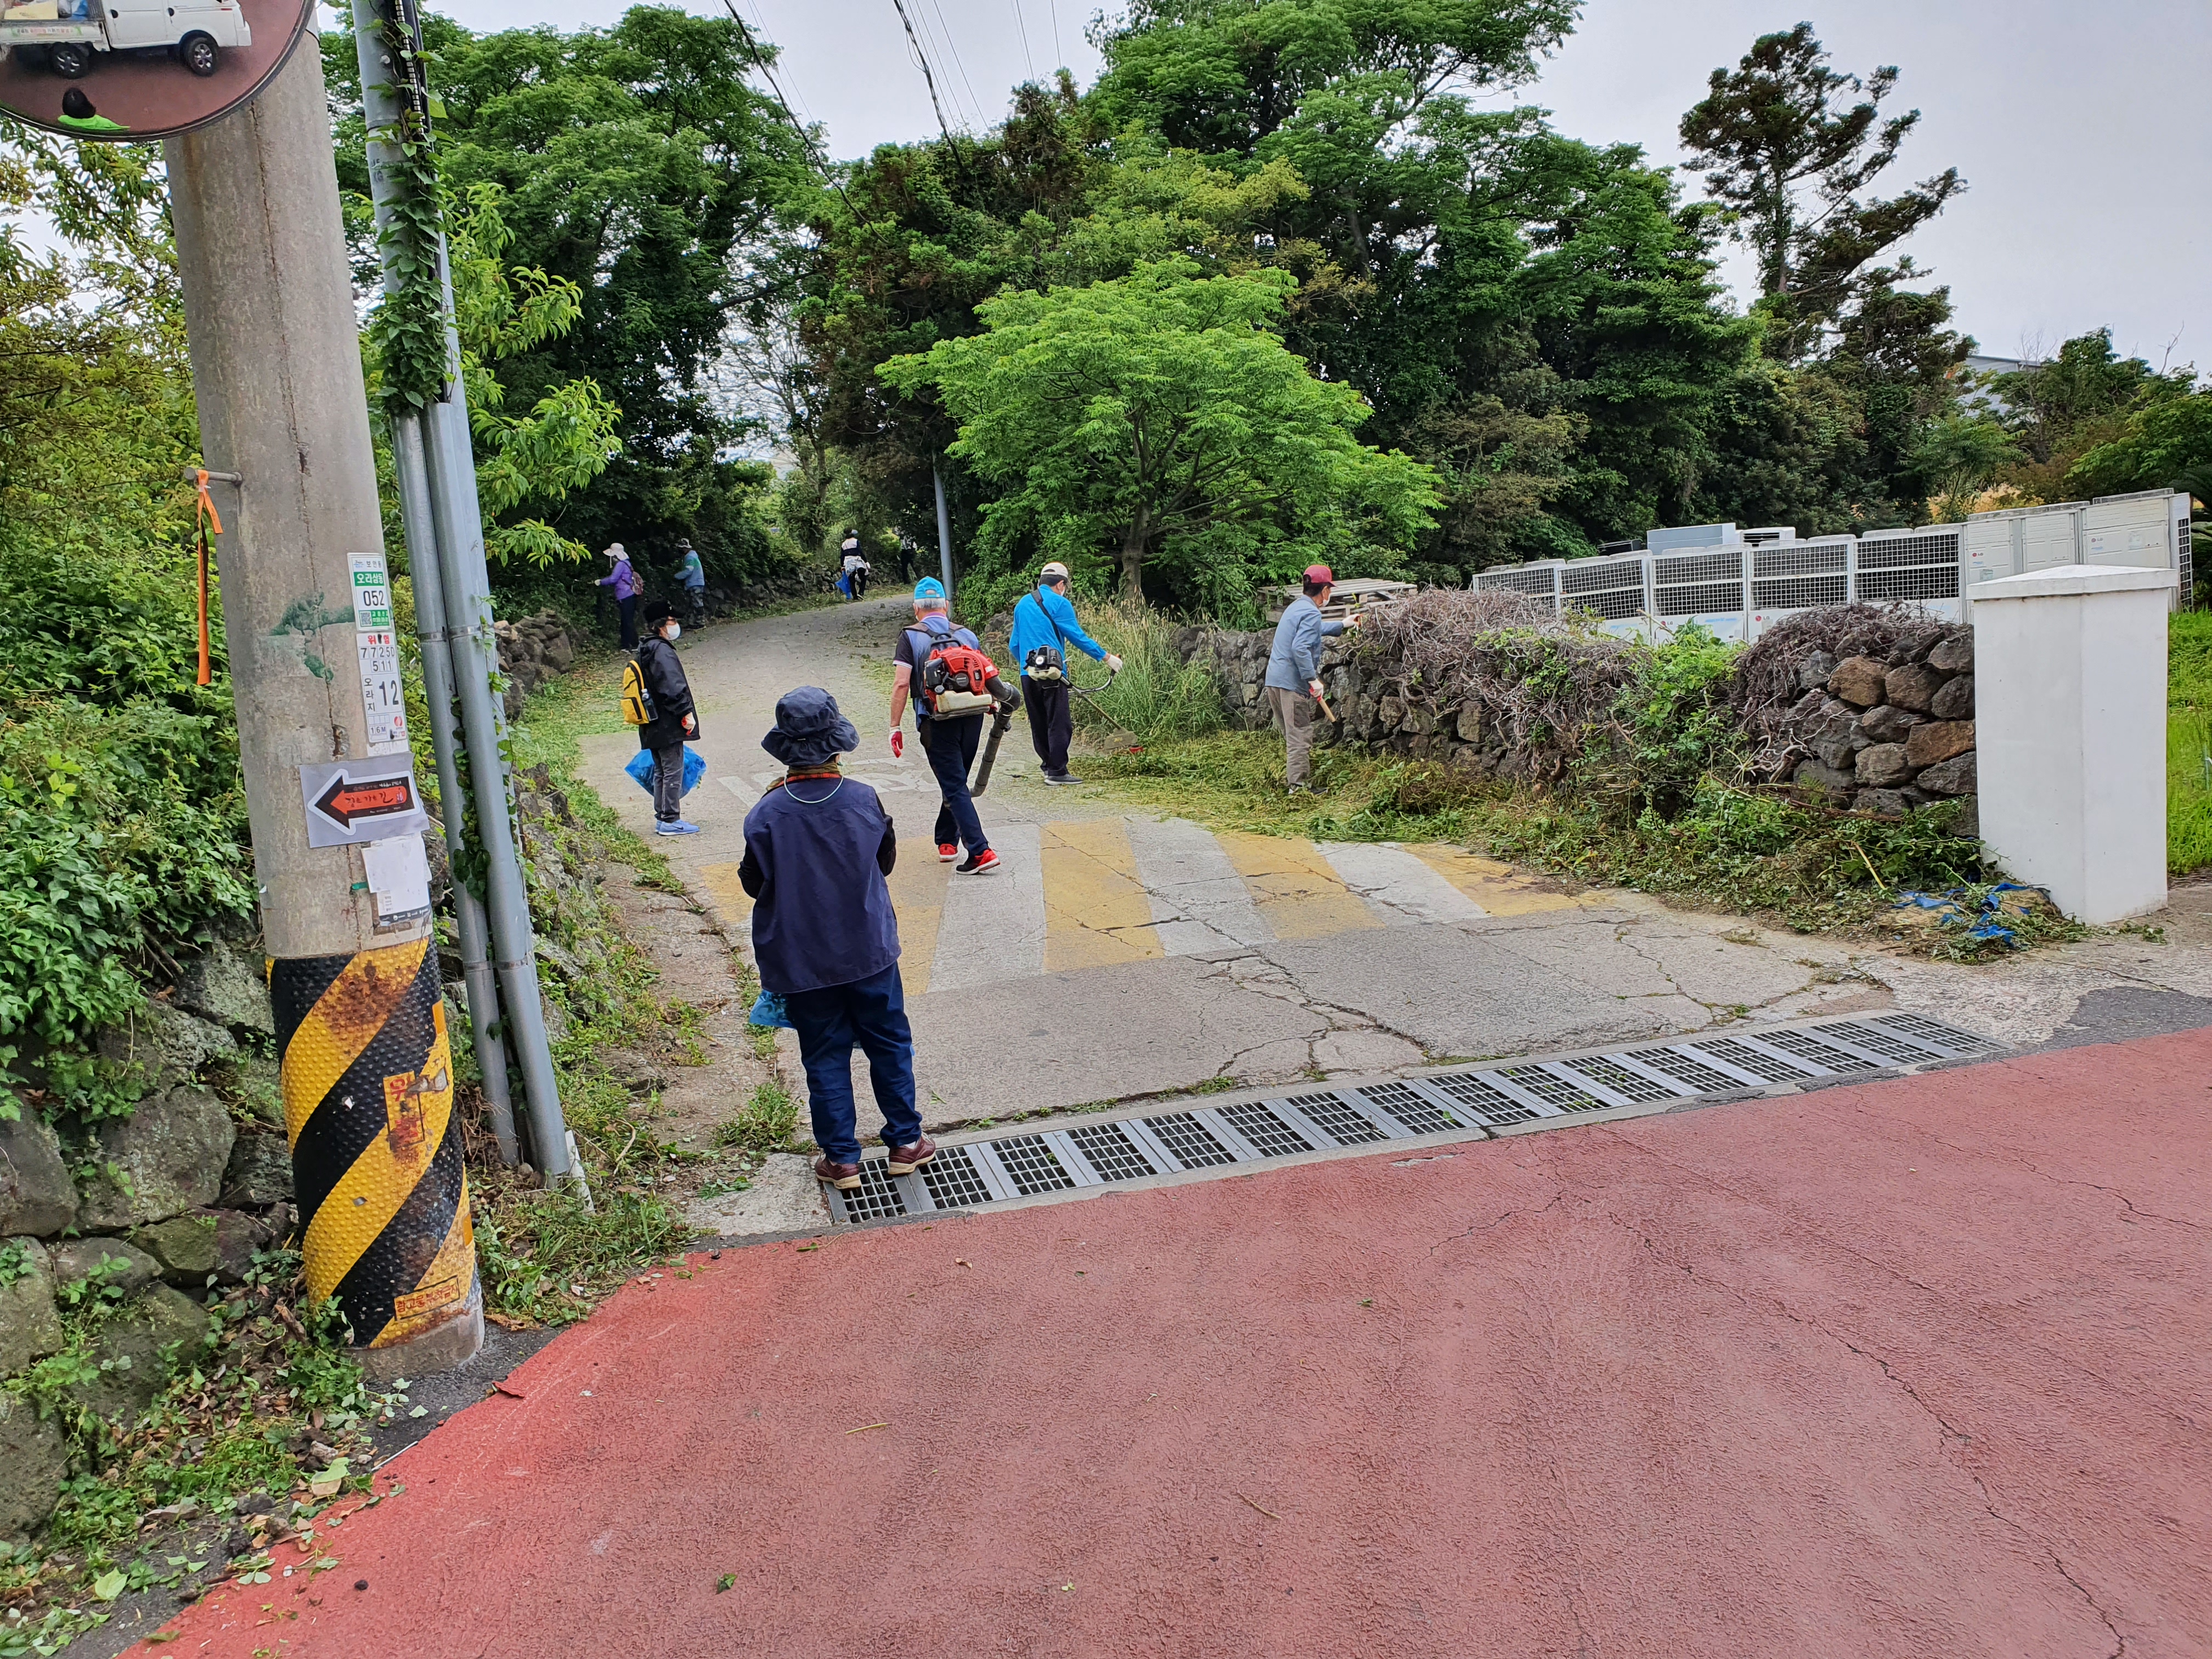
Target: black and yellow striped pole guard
<point>376,1152</point>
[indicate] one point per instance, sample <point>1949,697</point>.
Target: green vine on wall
<point>408,327</point>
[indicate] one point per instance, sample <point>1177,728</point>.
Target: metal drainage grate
<point>1109,1149</point>
<point>1691,1072</point>
<point>979,1173</point>
<point>953,1181</point>
<point>1553,1089</point>
<point>1189,1141</point>
<point>1771,1068</point>
<point>1335,1117</point>
<point>1421,1115</point>
<point>1827,1057</point>
<point>876,1196</point>
<point>1888,1044</point>
<point>1270,1136</point>
<point>1918,1026</point>
<point>1630,1085</point>
<point>1030,1165</point>
<point>1488,1104</point>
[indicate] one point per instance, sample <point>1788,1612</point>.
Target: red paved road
<point>1915,1368</point>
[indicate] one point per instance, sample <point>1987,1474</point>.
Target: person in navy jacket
<point>818,847</point>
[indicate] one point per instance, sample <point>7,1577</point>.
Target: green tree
<point>1160,411</point>
<point>2166,444</point>
<point>635,161</point>
<point>1789,155</point>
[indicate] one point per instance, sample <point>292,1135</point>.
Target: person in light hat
<point>1045,625</point>
<point>819,846</point>
<point>1294,686</point>
<point>621,576</point>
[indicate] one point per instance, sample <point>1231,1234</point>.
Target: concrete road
<point>1121,954</point>
<point>1908,1369</point>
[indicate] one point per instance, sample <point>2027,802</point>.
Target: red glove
<point>898,743</point>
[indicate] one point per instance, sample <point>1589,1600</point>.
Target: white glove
<point>1315,687</point>
<point>1113,663</point>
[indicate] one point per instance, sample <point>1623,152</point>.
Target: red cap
<point>1320,572</point>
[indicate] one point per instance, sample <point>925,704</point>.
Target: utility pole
<point>944,533</point>
<point>436,471</point>
<point>366,1070</point>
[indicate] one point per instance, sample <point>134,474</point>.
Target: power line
<point>929,80</point>
<point>1022,23</point>
<point>821,163</point>
<point>1059,56</point>
<point>974,102</point>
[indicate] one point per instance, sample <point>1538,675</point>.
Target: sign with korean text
<point>383,694</point>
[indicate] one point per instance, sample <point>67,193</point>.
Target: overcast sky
<point>2084,131</point>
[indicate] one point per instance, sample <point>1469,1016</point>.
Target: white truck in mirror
<point>65,36</point>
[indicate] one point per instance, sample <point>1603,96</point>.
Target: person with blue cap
<point>950,721</point>
<point>819,846</point>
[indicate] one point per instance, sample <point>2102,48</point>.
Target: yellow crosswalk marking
<point>917,883</point>
<point>1096,911</point>
<point>1295,891</point>
<point>1497,888</point>
<point>733,909</point>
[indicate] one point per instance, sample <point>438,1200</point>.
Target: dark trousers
<point>951,747</point>
<point>668,783</point>
<point>871,1013</point>
<point>629,609</point>
<point>697,596</point>
<point>1051,721</point>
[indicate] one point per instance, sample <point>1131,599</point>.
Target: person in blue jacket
<point>1044,626</point>
<point>1294,670</point>
<point>818,847</point>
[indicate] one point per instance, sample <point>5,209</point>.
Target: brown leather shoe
<point>905,1160</point>
<point>843,1177</point>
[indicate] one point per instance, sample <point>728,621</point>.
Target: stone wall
<point>1876,736</point>
<point>1884,736</point>
<point>530,652</point>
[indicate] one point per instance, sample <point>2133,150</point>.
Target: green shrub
<point>1157,697</point>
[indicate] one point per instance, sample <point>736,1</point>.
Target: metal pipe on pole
<point>364,1059</point>
<point>410,467</point>
<point>944,532</point>
<point>456,523</point>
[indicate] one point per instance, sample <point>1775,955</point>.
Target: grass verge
<point>2189,744</point>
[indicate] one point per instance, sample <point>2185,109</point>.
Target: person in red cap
<point>1294,671</point>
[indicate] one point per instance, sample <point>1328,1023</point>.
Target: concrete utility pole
<point>944,532</point>
<point>367,1074</point>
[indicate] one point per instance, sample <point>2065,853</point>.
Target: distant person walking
<point>818,847</point>
<point>622,578</point>
<point>950,736</point>
<point>692,573</point>
<point>855,567</point>
<point>1044,626</point>
<point>1294,686</point>
<point>674,718</point>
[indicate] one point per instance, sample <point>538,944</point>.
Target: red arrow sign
<point>346,799</point>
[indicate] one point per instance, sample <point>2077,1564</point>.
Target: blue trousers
<point>871,1012</point>
<point>952,744</point>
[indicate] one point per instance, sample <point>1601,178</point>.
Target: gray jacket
<point>1296,658</point>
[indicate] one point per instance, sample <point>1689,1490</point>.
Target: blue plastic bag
<point>769,1010</point>
<point>640,769</point>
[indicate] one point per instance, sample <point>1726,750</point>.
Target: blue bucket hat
<point>929,591</point>
<point>809,729</point>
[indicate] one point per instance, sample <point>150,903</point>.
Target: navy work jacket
<point>815,866</point>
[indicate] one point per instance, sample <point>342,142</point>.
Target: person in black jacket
<point>674,719</point>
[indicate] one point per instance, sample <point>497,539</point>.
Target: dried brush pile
<point>1542,681</point>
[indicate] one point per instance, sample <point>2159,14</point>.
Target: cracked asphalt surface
<point>1123,956</point>
<point>1907,1367</point>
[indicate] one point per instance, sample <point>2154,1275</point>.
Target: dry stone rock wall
<point>1872,734</point>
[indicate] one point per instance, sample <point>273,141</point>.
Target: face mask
<point>675,632</point>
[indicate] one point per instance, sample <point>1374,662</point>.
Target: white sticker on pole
<point>398,873</point>
<point>382,695</point>
<point>358,800</point>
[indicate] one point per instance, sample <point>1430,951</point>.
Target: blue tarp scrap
<point>640,769</point>
<point>1981,917</point>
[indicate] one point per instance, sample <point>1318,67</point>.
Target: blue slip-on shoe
<point>679,828</point>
